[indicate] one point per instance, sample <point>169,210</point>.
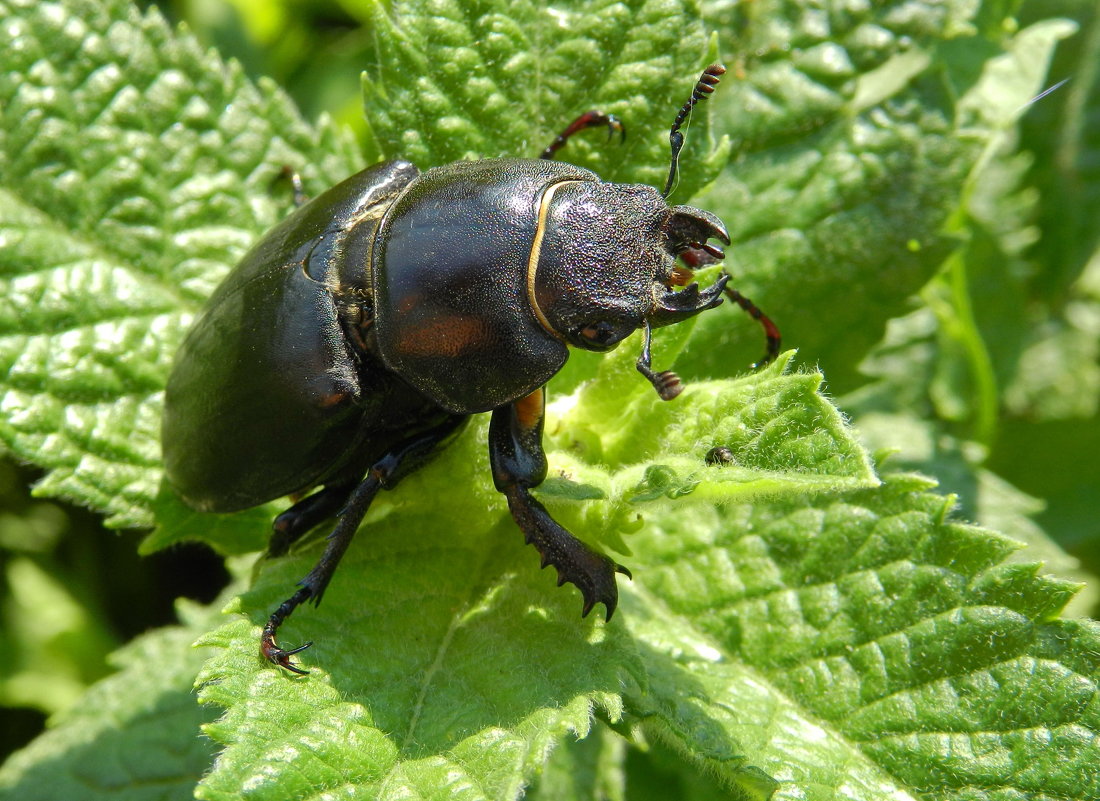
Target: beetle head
<point>687,229</point>
<point>607,262</point>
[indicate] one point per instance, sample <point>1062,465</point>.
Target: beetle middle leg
<point>288,173</point>
<point>289,526</point>
<point>519,463</point>
<point>590,119</point>
<point>353,504</point>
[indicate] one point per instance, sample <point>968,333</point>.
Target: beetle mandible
<point>360,334</point>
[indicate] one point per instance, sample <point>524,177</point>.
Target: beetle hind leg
<point>518,461</point>
<point>312,587</point>
<point>352,507</point>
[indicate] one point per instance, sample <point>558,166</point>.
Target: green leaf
<point>858,652</point>
<point>56,644</point>
<point>579,770</point>
<point>459,80</point>
<point>1066,145</point>
<point>781,437</point>
<point>893,652</point>
<point>133,736</point>
<point>136,170</point>
<point>849,156</point>
<point>1039,454</point>
<point>449,665</point>
<point>494,665</point>
<point>833,639</point>
<point>974,283</point>
<point>983,496</point>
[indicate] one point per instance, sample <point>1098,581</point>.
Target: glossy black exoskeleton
<point>361,333</point>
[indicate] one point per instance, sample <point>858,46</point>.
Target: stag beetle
<point>361,333</point>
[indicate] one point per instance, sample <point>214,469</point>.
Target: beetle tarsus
<point>269,647</point>
<point>280,656</point>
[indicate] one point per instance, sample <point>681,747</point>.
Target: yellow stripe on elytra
<point>533,260</point>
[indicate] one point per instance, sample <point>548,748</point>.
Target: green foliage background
<point>816,620</point>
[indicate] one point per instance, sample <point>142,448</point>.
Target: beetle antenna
<point>666,382</point>
<point>704,87</point>
<point>702,254</point>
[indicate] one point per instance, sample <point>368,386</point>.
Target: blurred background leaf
<point>969,353</point>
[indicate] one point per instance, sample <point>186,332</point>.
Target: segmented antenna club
<point>704,87</point>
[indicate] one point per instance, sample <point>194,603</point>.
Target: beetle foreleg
<point>519,463</point>
<point>591,572</point>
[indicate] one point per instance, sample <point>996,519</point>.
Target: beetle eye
<point>603,335</point>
